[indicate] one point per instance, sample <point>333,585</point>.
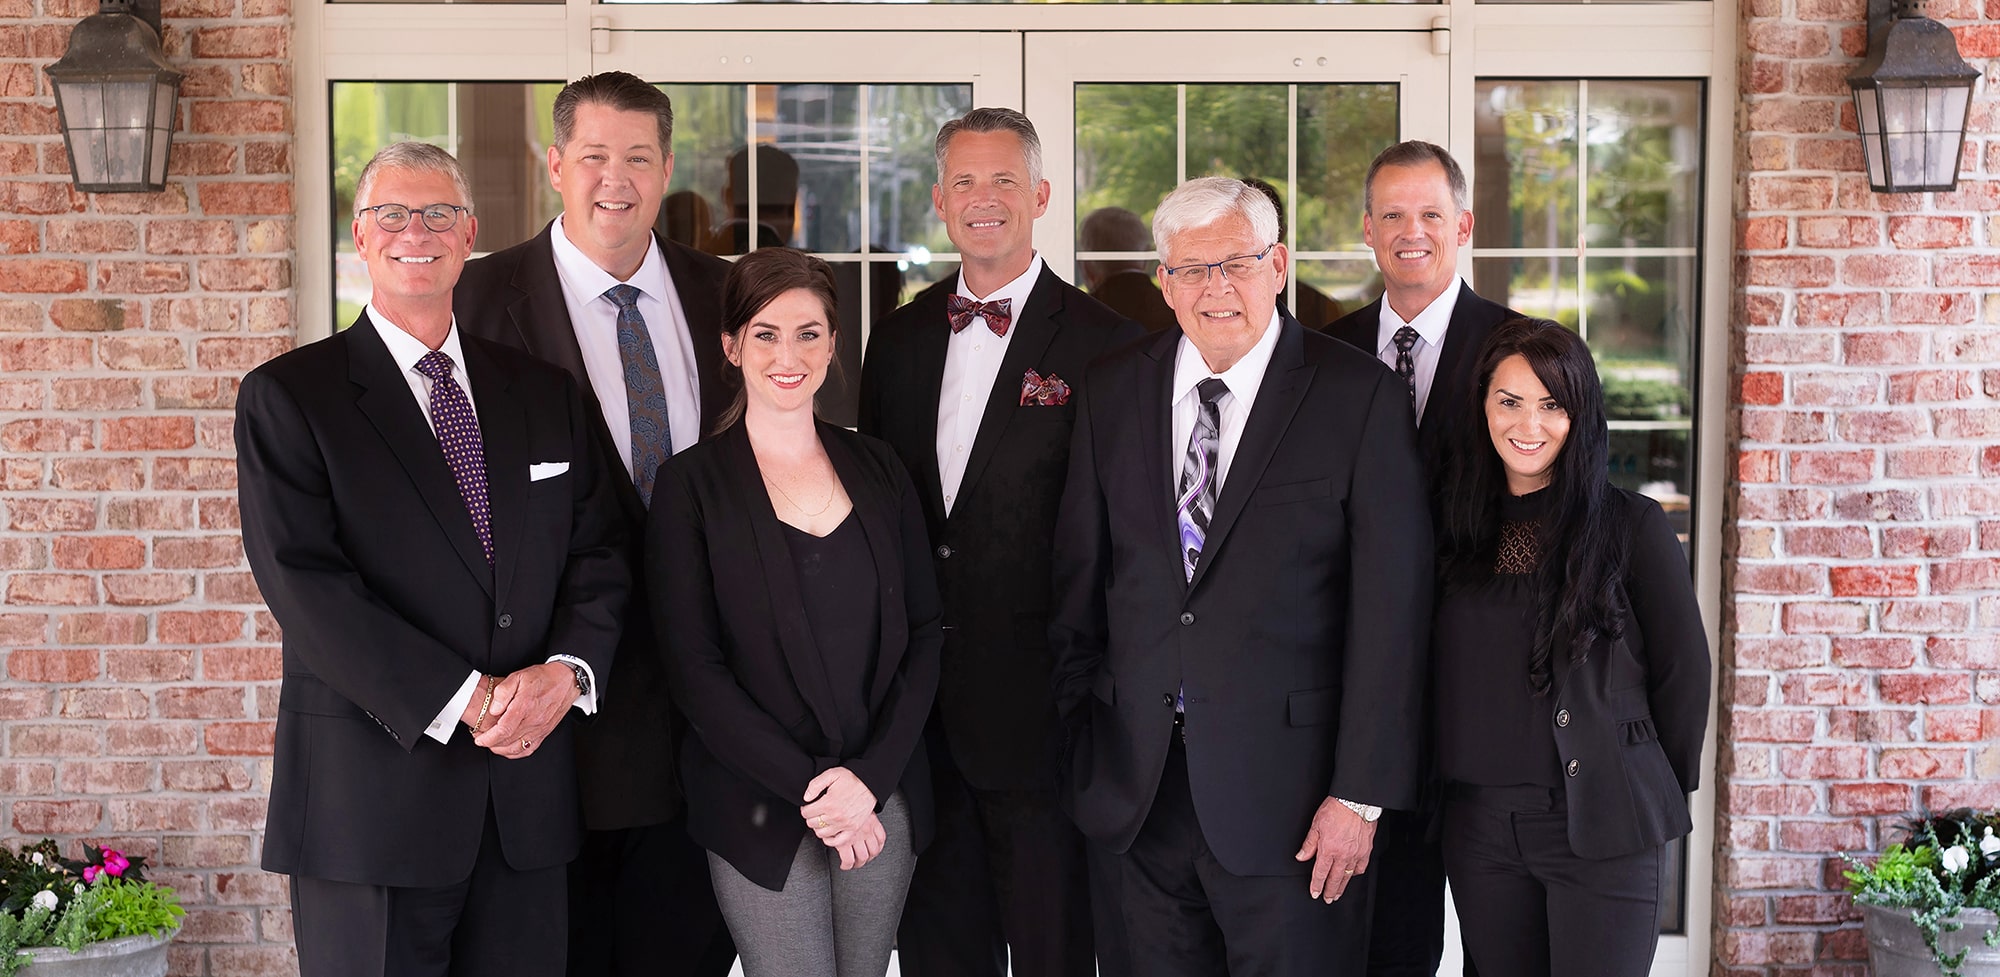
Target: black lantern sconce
<point>115,93</point>
<point>1912,97</point>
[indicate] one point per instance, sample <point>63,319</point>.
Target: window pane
<point>1645,164</point>
<point>1327,290</point>
<point>1525,157</point>
<point>1341,128</point>
<point>1539,286</point>
<point>1125,155</point>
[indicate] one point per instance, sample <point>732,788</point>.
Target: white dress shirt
<point>594,317</point>
<point>971,366</point>
<point>406,350</point>
<point>1430,325</point>
<point>1244,379</point>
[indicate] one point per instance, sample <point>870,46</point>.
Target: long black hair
<point>1580,541</point>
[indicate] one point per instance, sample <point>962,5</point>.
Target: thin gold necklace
<point>795,503</point>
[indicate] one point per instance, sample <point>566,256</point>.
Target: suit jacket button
<point>1167,699</point>
<point>1572,768</point>
<point>1187,617</point>
<point>1562,717</point>
<point>506,620</point>
<point>943,552</point>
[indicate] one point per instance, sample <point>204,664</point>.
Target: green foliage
<point>1633,399</point>
<point>118,903</point>
<point>132,908</point>
<point>1948,862</point>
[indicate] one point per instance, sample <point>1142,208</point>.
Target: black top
<point>837,584</point>
<point>1492,730</point>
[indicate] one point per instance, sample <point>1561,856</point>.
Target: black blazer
<point>992,554</point>
<point>625,753</point>
<point>1302,641</point>
<point>364,551</point>
<point>1631,715</point>
<point>741,659</point>
<point>1472,320</point>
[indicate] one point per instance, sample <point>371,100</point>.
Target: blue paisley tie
<point>645,395</point>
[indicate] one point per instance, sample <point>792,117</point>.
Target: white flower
<point>1956,858</point>
<point>1989,845</point>
<point>37,856</point>
<point>45,901</point>
<point>77,888</point>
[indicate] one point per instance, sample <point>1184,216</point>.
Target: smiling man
<point>974,383</point>
<point>1428,327</point>
<point>1243,593</point>
<point>635,318</point>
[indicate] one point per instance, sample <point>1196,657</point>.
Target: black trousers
<point>1005,879</point>
<point>1407,936</point>
<point>499,921</point>
<point>641,905</point>
<point>1529,906</point>
<point>1187,916</point>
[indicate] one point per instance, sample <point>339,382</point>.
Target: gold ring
<point>1350,871</point>
<point>527,745</point>
<point>822,822</point>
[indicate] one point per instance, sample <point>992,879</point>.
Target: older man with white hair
<point>1243,590</point>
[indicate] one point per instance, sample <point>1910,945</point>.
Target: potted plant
<point>1928,902</point>
<point>93,917</point>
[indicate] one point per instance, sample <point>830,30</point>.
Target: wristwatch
<point>1367,812</point>
<point>582,676</point>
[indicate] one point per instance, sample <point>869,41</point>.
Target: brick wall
<point>1861,656</point>
<point>140,672</point>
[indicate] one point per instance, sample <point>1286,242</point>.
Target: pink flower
<point>90,873</point>
<point>115,862</point>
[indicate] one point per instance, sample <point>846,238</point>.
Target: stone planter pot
<point>1896,948</point>
<point>129,956</point>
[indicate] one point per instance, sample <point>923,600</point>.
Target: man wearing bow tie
<point>973,383</point>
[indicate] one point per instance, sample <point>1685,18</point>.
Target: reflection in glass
<point>1342,286</point>
<point>1237,130</point>
<point>1525,155</point>
<point>1542,286</point>
<point>1341,129</point>
<point>1125,148</point>
<point>1645,164</point>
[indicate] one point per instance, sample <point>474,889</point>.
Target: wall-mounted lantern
<point>1911,99</point>
<point>115,93</point>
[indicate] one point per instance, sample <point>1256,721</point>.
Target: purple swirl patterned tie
<point>458,434</point>
<point>645,395</point>
<point>1196,502</point>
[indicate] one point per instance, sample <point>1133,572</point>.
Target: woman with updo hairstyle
<point>791,585</point>
<point>1572,674</point>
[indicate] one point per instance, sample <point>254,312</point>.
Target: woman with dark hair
<point>1572,675</point>
<point>792,587</point>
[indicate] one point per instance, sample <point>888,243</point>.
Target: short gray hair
<point>994,120</point>
<point>420,157</point>
<point>1416,152</point>
<point>1205,200</point>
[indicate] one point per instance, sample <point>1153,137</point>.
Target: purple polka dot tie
<point>458,434</point>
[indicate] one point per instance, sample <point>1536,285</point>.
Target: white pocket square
<point>546,469</point>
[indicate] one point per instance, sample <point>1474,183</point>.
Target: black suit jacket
<point>1472,320</point>
<point>1301,642</point>
<point>364,550</point>
<point>992,553</point>
<point>625,754</point>
<point>741,658</point>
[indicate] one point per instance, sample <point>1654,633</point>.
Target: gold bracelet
<point>483,706</point>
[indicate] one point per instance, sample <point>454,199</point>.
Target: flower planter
<point>130,956</point>
<point>1896,948</point>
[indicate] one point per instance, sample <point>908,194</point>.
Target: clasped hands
<point>1338,844</point>
<point>526,707</point>
<point>840,811</point>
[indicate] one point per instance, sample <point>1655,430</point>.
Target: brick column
<point>1861,670</point>
<point>140,670</point>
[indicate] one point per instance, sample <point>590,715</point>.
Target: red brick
<point>1787,41</point>
<point>151,433</point>
<point>1958,576</point>
<point>1929,231</point>
<point>1874,652</point>
<point>1883,426</point>
<point>1823,763</point>
<point>1933,461</point>
<point>240,739</point>
<point>267,158</point>
<point>198,552</point>
<point>139,589</point>
<point>1876,581</point>
<point>40,198</point>
<point>1781,579</point>
<point>1969,269</point>
<point>1976,652</point>
<point>143,353</point>
<point>1840,309</point>
<point>1953,726</point>
<point>1838,542</point>
<point>23,629</point>
<point>57,817</point>
<point>1932,308</point>
<point>1772,725</point>
<point>152,739</point>
<point>1871,725</point>
<point>19,237</point>
<point>51,354</point>
<point>51,589</point>
<point>63,740</point>
<point>1789,348</point>
<point>1782,505</point>
<point>1764,388</point>
<point>205,776</point>
<point>255,199</point>
<point>169,814</point>
<point>250,889</point>
<point>106,777</point>
<point>240,42</point>
<point>1822,836</point>
<point>1917,386</point>
<point>238,814</point>
<point>1868,799</point>
<point>102,703</point>
<point>1882,347</point>
<point>27,779</point>
<point>1769,873</point>
<point>1924,689</point>
<point>1956,422</point>
<point>183,393</point>
<point>42,515</point>
<point>18,704</point>
<point>242,664</point>
<point>191,237</point>
<point>42,275</point>
<point>1925,617</point>
<point>1757,466</point>
<point>1762,309</point>
<point>204,314</point>
<point>45,435</point>
<point>1919,764</point>
<point>219,513</point>
<point>144,277</point>
<point>1771,799</point>
<point>245,274</point>
<point>1762,234</point>
<point>230,588</point>
<point>253,961</point>
<point>1832,467</point>
<point>1944,797</point>
<point>1835,389</point>
<point>92,237</point>
<point>190,157</point>
<point>1788,271</point>
<point>97,474</point>
<point>1791,193</point>
<point>1982,345</point>
<point>194,474</point>
<point>1933,541</point>
<point>108,394</point>
<point>145,666</point>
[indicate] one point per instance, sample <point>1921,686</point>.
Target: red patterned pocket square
<point>1039,391</point>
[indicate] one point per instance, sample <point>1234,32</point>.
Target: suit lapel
<point>1285,381</point>
<point>701,303</point>
<point>503,432</point>
<point>929,342</point>
<point>1034,329</point>
<point>386,401</point>
<point>1156,433</point>
<point>1454,362</point>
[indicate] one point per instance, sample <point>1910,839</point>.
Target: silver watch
<point>1367,812</point>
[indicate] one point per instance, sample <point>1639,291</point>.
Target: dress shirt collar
<point>1430,323</point>
<point>1017,290</point>
<point>590,282</point>
<point>1243,378</point>
<point>406,349</point>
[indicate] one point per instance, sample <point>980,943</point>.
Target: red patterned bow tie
<point>997,312</point>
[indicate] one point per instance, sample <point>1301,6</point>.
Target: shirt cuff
<point>441,728</point>
<point>1367,812</point>
<point>587,701</point>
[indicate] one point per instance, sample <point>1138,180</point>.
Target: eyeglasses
<point>1233,269</point>
<point>438,217</point>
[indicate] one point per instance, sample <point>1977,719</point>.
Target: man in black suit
<point>1428,326</point>
<point>973,383</point>
<point>1243,593</point>
<point>636,319</point>
<point>425,515</point>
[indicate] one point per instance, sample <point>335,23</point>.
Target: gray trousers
<point>826,922</point>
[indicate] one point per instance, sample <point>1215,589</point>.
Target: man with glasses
<point>637,320</point>
<point>1428,327</point>
<point>1243,592</point>
<point>974,383</point>
<point>427,518</point>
